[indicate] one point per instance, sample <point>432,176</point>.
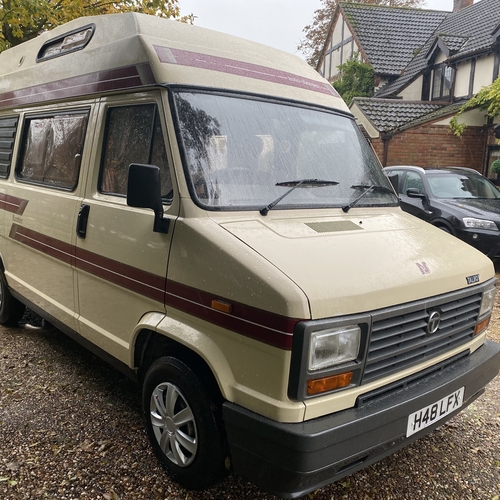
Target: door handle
<point>83,217</point>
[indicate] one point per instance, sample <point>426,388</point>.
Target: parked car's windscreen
<point>461,185</point>
<point>238,149</point>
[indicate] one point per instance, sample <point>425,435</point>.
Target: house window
<point>442,82</point>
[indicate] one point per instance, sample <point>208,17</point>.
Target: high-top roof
<point>93,55</point>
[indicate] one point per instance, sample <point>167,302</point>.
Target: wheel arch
<point>209,363</point>
<point>443,223</point>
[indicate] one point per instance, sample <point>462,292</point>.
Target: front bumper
<point>292,459</point>
<point>487,242</point>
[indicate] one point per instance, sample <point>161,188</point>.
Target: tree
<point>356,80</point>
<point>488,99</point>
<point>22,20</point>
<point>315,34</point>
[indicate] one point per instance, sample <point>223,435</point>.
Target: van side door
<point>44,195</point>
<point>121,262</point>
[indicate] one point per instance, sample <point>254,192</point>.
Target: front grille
<point>399,337</point>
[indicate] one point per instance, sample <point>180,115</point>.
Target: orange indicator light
<point>328,383</point>
<point>480,327</point>
<point>222,306</point>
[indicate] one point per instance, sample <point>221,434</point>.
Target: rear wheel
<point>11,310</point>
<point>183,424</point>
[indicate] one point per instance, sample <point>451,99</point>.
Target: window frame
<point>25,127</point>
<point>8,134</point>
<point>441,69</point>
<point>156,121</point>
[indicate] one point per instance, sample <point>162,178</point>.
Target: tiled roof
<point>389,115</point>
<point>390,35</point>
<point>454,43</point>
<point>477,23</point>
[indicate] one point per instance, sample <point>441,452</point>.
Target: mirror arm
<point>161,224</point>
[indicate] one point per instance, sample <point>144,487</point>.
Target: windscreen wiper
<point>295,185</point>
<point>367,189</point>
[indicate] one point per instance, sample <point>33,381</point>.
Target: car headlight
<point>487,301</point>
<point>333,347</point>
<point>472,223</point>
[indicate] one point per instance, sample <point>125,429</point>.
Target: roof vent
<point>67,43</point>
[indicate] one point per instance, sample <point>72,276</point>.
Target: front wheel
<point>183,424</point>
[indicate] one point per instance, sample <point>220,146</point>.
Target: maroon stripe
<point>12,204</point>
<point>100,81</point>
<point>264,326</point>
<point>50,246</point>
<point>131,278</point>
<point>267,327</point>
<point>240,68</point>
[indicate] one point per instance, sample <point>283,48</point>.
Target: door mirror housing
<point>415,193</point>
<point>144,191</point>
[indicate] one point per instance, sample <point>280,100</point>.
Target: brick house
<point>421,81</point>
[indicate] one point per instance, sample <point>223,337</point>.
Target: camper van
<point>204,213</point>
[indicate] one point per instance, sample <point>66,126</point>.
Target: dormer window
<point>442,81</point>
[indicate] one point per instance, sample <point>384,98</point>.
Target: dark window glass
<point>52,148</point>
<point>413,181</point>
<point>8,127</point>
<point>133,135</point>
<point>442,82</point>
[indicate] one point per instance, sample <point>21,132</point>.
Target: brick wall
<point>434,145</point>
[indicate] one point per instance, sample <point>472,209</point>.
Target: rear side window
<point>8,127</point>
<point>133,135</point>
<point>52,148</point>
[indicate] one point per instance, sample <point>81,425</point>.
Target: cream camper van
<point>203,212</point>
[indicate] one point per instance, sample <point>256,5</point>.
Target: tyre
<point>183,424</point>
<point>11,310</point>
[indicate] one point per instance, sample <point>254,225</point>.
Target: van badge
<point>433,322</point>
<point>424,269</point>
<point>472,279</point>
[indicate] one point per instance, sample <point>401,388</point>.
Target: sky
<point>277,23</point>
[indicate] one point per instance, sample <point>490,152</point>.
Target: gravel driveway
<point>71,428</point>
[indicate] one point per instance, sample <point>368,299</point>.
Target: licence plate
<point>427,416</point>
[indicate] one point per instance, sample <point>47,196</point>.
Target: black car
<point>458,200</point>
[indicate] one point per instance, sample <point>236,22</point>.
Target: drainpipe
<point>385,140</point>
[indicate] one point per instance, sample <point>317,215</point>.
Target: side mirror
<point>415,193</point>
<point>144,191</point>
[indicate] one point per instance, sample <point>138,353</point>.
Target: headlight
<point>472,223</point>
<point>488,301</point>
<point>334,347</point>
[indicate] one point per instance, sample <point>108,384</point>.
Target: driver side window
<point>413,180</point>
<point>133,135</point>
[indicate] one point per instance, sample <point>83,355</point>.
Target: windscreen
<point>462,185</point>
<point>242,154</point>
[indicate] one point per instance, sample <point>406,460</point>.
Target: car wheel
<point>183,424</point>
<point>445,229</point>
<point>11,310</point>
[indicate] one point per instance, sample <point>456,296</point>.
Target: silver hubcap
<point>173,424</point>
